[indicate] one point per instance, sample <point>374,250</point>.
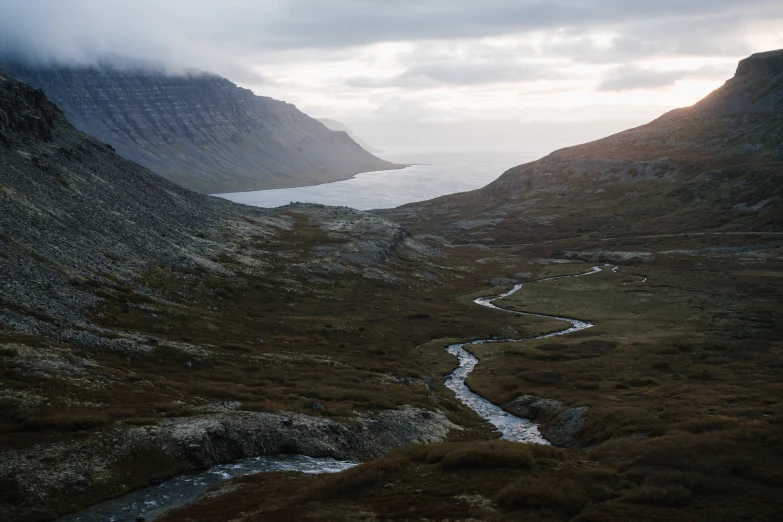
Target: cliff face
<point>200,131</point>
<point>756,88</point>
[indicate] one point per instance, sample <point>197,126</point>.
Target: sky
<point>505,75</point>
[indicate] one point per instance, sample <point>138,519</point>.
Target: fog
<point>494,75</point>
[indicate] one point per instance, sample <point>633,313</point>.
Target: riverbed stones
<point>533,407</point>
<point>501,281</point>
<point>207,440</point>
<point>562,429</point>
<point>50,471</point>
<point>556,424</point>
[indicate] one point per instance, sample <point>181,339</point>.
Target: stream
<point>154,501</point>
<point>512,427</point>
<point>151,502</point>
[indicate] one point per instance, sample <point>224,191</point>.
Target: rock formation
<point>199,130</point>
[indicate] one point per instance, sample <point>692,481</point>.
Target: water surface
<point>510,426</point>
<point>152,502</point>
<point>430,175</point>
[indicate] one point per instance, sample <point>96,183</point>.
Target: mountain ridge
<point>702,166</point>
<point>199,130</point>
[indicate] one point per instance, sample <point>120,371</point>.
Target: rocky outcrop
<point>73,470</point>
<point>200,130</point>
<point>533,407</point>
<point>213,439</point>
<point>754,89</point>
<point>25,112</point>
<point>561,431</point>
<point>558,425</point>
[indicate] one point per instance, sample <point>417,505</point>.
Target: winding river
<point>150,503</point>
<point>512,427</point>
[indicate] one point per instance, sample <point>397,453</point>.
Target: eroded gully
<point>512,427</point>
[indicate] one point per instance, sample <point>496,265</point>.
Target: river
<point>510,426</point>
<point>151,502</point>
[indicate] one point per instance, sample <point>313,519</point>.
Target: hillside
<point>130,304</point>
<point>199,130</point>
<point>716,166</point>
<point>147,331</point>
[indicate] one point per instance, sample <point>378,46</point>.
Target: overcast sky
<point>514,75</point>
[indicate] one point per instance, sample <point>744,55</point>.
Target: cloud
<point>417,60</point>
<point>202,31</point>
<point>630,77</point>
<point>455,72</point>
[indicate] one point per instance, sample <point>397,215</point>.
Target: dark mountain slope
<point>716,166</point>
<point>200,130</point>
<point>130,304</point>
<point>72,209</point>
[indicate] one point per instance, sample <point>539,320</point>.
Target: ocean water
<point>430,175</point>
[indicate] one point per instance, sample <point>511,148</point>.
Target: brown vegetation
<point>661,441</point>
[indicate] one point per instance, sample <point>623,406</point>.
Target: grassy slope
<point>684,421</point>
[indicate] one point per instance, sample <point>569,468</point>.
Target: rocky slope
<point>200,130</point>
<point>88,238</point>
<point>717,165</point>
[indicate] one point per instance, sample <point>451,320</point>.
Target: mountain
<point>147,331</point>
<point>341,127</point>
<point>197,129</point>
<point>667,242</point>
<point>716,166</point>
<point>126,301</point>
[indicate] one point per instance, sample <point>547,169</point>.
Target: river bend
<point>512,427</point>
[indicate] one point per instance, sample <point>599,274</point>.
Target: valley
<point>679,383</point>
<point>147,331</point>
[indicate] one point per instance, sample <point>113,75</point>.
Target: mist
<point>503,75</point>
